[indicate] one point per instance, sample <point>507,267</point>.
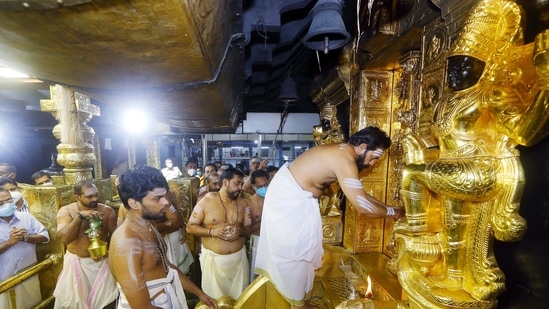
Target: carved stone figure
<point>461,195</point>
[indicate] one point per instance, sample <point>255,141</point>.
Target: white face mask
<point>191,171</point>
<point>16,196</point>
<point>47,183</point>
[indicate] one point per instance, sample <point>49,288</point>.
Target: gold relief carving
<point>461,196</point>
<point>435,43</point>
<point>105,189</point>
<point>44,203</point>
<point>185,192</point>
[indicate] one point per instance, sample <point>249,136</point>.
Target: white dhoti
<point>177,253</point>
<point>254,239</point>
<point>290,246</point>
<point>84,284</point>
<point>169,290</point>
<point>224,274</point>
<point>26,295</point>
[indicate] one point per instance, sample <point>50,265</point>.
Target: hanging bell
<point>327,30</point>
<point>288,91</point>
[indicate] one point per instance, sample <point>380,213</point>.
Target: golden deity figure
<point>461,195</point>
<point>329,132</point>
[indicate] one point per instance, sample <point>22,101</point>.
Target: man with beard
<point>212,185</point>
<point>138,257</point>
<point>223,223</point>
<point>84,282</point>
<point>290,246</point>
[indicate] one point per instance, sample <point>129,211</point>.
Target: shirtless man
<point>138,258</point>
<point>290,246</point>
<point>81,274</point>
<point>212,185</point>
<point>260,181</point>
<point>222,222</point>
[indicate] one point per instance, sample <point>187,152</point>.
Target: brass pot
<point>97,248</point>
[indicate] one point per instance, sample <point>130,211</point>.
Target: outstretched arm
<point>348,178</point>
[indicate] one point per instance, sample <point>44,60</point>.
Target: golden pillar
<point>467,191</point>
<point>372,97</point>
<point>73,110</point>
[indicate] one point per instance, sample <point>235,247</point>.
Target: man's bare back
<point>316,168</point>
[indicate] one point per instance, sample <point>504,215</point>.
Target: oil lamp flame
<point>369,293</point>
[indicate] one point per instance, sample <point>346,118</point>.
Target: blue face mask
<point>7,210</point>
<point>261,191</point>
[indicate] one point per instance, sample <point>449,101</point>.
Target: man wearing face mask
<point>85,282</point>
<point>19,234</point>
<point>260,181</point>
<point>170,172</point>
<point>42,179</point>
<point>11,185</point>
<point>190,169</point>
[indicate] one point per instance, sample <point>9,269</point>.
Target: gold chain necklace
<point>225,211</point>
<point>161,247</point>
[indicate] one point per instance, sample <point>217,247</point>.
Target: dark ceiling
<point>271,50</point>
<point>236,63</point>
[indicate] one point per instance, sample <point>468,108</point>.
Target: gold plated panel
<point>43,204</point>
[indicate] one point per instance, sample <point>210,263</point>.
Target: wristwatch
<point>25,238</point>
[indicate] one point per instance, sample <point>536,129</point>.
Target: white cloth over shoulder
<point>290,245</point>
<point>173,296</point>
<point>224,274</point>
<point>178,253</point>
<point>84,284</point>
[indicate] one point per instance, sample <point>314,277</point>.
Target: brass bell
<point>288,91</point>
<point>327,30</point>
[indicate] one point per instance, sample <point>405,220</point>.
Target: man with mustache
<point>222,222</point>
<point>84,282</point>
<point>290,245</point>
<point>138,253</point>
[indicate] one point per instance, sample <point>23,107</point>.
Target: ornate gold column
<point>371,105</point>
<point>73,110</point>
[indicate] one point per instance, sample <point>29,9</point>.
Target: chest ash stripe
<point>193,218</point>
